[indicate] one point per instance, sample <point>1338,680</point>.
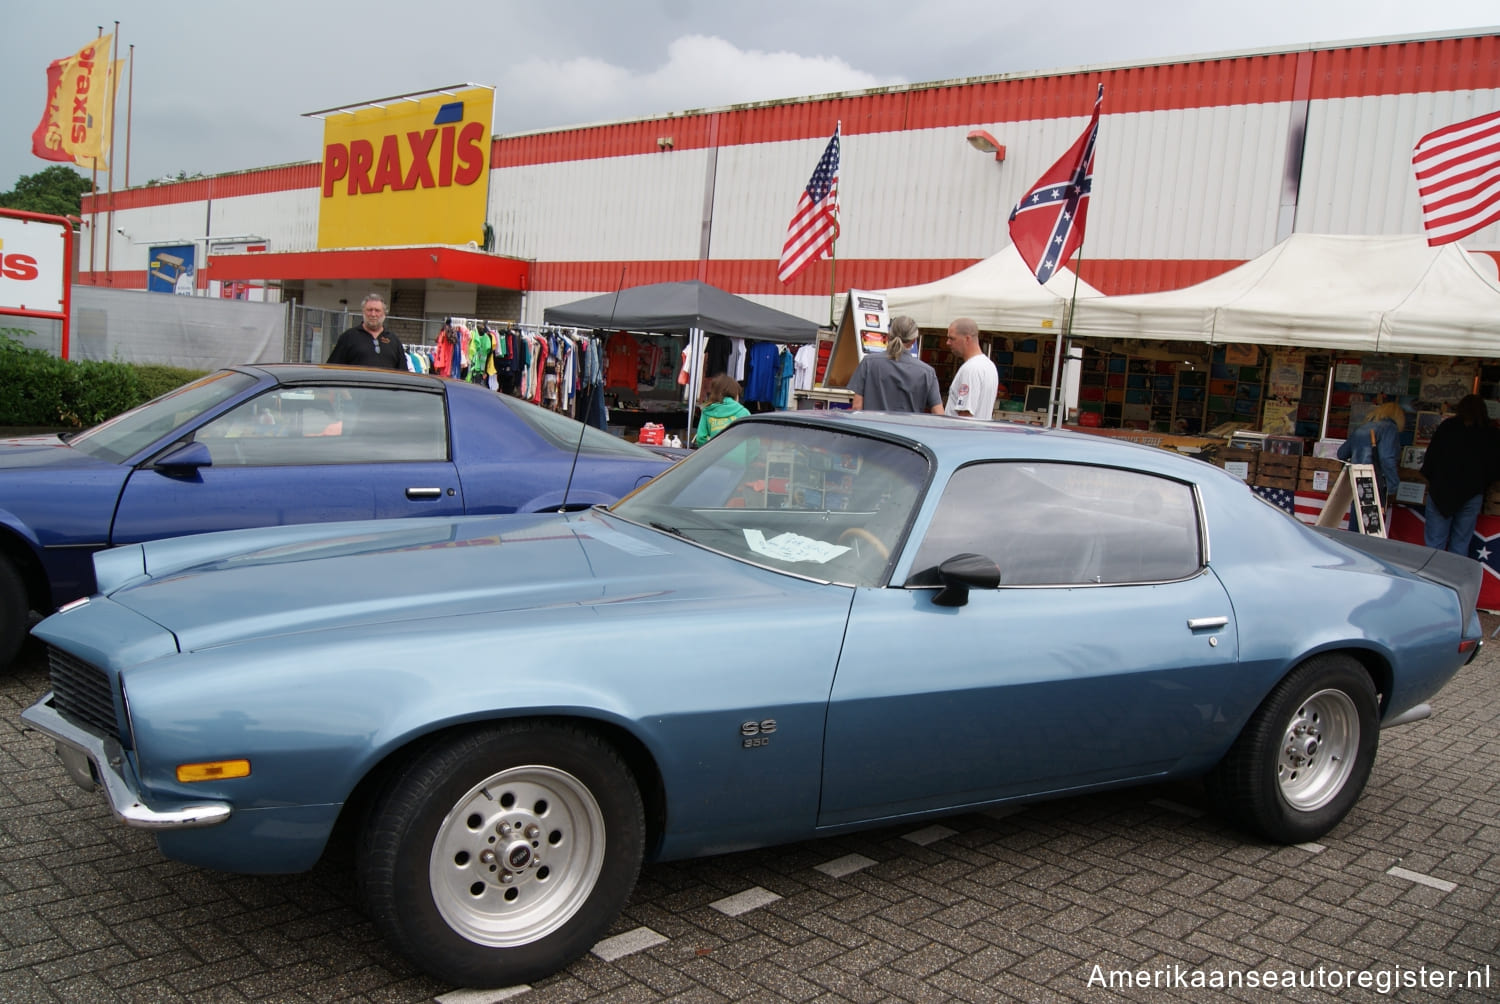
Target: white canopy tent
<point>1355,293</point>
<point>999,293</point>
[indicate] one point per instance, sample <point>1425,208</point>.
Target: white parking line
<point>481,996</point>
<point>744,902</point>
<point>1420,879</point>
<point>929,835</point>
<point>846,865</point>
<point>1312,848</point>
<point>628,943</point>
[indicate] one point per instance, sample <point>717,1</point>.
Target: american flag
<point>1047,224</point>
<point>1306,506</point>
<point>1458,178</point>
<point>815,224</point>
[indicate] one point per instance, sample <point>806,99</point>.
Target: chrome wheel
<point>517,856</point>
<point>1318,750</point>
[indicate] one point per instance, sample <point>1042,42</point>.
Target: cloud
<point>700,71</point>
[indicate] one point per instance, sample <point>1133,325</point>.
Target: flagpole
<point>129,110</point>
<point>114,90</point>
<point>833,254</point>
<point>1067,333</point>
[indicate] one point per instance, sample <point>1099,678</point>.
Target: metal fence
<point>311,331</point>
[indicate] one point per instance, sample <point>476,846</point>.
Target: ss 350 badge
<point>757,733</point>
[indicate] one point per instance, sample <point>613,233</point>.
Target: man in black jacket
<point>370,344</point>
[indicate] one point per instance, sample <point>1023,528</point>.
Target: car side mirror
<point>186,459</point>
<point>963,572</point>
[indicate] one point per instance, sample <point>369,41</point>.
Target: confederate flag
<point>1047,224</point>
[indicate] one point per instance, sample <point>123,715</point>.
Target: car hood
<point>222,588</point>
<point>43,452</point>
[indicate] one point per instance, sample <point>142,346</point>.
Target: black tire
<point>15,612</point>
<point>457,879</point>
<point>1304,757</point>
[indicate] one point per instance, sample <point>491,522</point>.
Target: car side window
<point>1063,525</point>
<point>299,426</point>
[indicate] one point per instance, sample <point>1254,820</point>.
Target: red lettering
<point>421,170</point>
<point>81,85</point>
<point>335,166</point>
<point>79,133</point>
<point>361,159</point>
<point>18,266</point>
<point>388,171</point>
<point>445,158</point>
<point>470,154</point>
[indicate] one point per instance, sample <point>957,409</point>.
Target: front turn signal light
<point>216,770</point>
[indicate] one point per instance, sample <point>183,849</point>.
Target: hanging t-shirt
<point>624,355</point>
<point>760,371</point>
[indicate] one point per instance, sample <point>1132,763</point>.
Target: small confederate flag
<point>815,224</point>
<point>1047,224</point>
<point>1458,178</point>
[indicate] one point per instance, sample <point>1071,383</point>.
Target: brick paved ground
<point>1018,906</point>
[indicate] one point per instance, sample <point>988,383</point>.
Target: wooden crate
<point>1263,480</point>
<point>1312,464</point>
<point>1278,465</point>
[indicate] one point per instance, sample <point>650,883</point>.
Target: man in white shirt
<point>972,393</point>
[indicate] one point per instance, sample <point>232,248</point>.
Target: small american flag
<point>1281,498</point>
<point>815,224</point>
<point>1458,178</point>
<point>1047,224</point>
<point>1309,506</point>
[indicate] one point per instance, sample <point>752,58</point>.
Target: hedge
<point>37,389</point>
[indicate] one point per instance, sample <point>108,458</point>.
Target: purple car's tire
<point>500,855</point>
<point>1304,757</point>
<point>14,612</point>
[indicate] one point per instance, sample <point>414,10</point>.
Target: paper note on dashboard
<point>793,547</point>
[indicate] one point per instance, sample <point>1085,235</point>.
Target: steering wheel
<point>860,533</point>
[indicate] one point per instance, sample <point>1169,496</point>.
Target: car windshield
<point>562,432</point>
<point>804,499</point>
<point>129,433</point>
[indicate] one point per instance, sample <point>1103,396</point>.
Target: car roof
<point>364,376</point>
<point>956,441</point>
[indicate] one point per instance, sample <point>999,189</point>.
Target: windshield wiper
<point>668,529</point>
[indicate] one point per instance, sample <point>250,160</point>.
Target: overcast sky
<point>220,90</point>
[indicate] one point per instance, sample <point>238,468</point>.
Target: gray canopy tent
<point>688,308</point>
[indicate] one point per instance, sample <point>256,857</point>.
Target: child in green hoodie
<point>720,408</point>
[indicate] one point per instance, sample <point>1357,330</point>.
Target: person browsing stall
<point>977,383</point>
<point>896,380</point>
<point>370,344</point>
<point>1377,441</point>
<point>1461,461</point>
<point>721,407</point>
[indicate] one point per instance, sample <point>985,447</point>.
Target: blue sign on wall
<point>172,270</point>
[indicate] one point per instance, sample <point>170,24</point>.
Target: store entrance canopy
<point>1368,294</point>
<point>679,307</point>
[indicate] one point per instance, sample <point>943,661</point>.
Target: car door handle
<point>1202,623</point>
<point>423,493</point>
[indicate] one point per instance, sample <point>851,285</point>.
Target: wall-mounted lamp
<point>985,143</point>
<point>664,142</point>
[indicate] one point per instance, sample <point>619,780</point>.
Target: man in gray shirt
<point>898,380</point>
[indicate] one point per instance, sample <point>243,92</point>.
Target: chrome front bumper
<point>93,762</point>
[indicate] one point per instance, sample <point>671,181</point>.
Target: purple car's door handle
<point>423,493</point>
<point>1200,623</point>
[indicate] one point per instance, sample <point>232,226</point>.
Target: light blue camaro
<point>817,622</point>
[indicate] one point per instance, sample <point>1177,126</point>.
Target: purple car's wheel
<point>499,856</point>
<point>1304,757</point>
<point>13,612</point>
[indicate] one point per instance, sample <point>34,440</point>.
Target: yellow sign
<point>412,172</point>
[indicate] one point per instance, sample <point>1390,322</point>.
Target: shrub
<point>37,389</point>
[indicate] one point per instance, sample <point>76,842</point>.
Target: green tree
<point>57,190</point>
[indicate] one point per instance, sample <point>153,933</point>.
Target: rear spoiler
<point>1462,575</point>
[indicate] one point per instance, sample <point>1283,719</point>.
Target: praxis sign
<point>409,171</point>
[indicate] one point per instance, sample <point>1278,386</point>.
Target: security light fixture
<point>985,143</point>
